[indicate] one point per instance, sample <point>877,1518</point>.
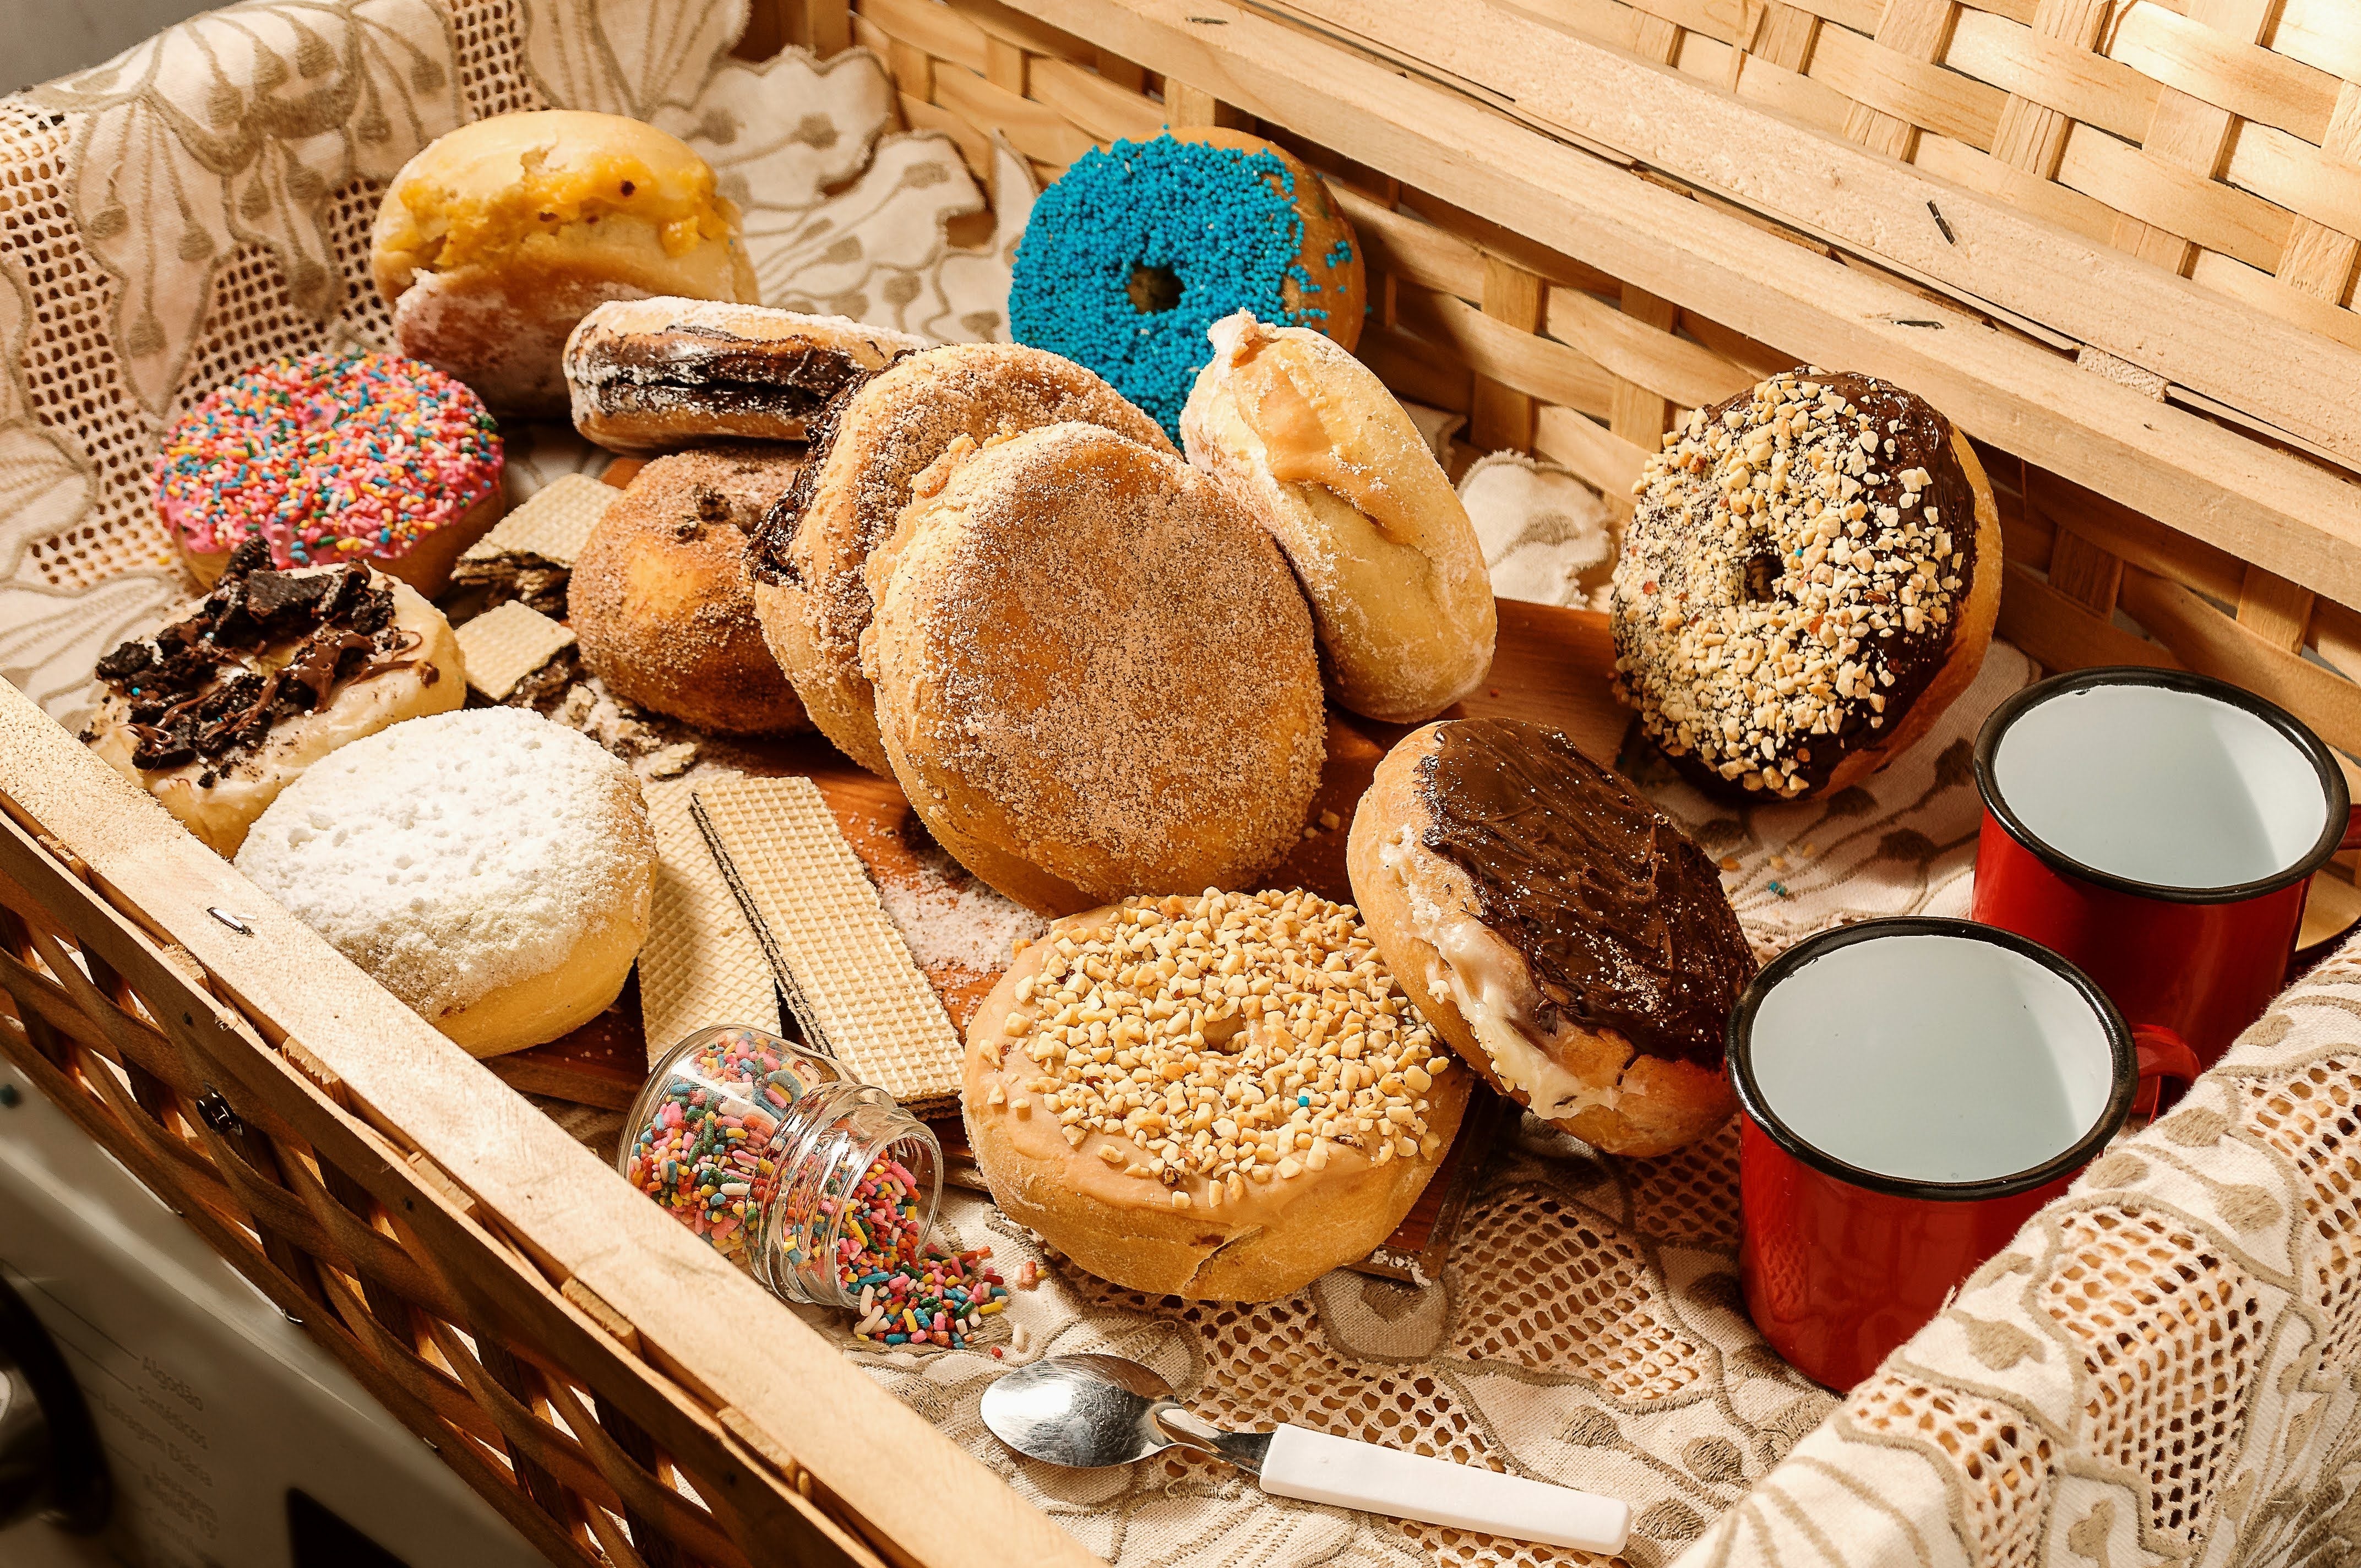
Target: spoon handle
<point>1320,1468</point>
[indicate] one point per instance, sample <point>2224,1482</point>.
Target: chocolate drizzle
<point>1620,917</point>
<point>769,551</point>
<point>715,371</point>
<point>206,686</point>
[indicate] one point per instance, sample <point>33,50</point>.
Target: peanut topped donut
<point>1810,577</point>
<point>1094,672</point>
<point>866,446</point>
<point>1272,1105</point>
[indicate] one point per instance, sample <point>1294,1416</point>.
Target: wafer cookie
<point>842,966</point>
<point>503,646</point>
<point>552,524</point>
<point>702,964</point>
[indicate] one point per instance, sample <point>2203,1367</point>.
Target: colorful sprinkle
<point>327,456</point>
<point>707,1156</point>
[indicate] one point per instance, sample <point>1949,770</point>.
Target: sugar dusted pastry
<point>491,869</point>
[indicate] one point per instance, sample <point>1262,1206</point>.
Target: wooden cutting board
<point>1552,665</point>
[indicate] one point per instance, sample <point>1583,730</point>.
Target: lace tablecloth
<point>2160,1370</point>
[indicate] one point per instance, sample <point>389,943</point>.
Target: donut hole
<point>1153,289</point>
<point>1762,569</point>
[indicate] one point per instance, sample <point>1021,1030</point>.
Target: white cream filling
<point>1472,972</point>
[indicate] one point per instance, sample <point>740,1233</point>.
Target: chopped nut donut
<point>1797,574</point>
<point>1231,1068</point>
<point>1131,1027</point>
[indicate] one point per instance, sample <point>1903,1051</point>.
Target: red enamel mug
<point>2159,829</point>
<point>1910,1091</point>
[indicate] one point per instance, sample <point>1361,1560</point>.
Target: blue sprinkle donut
<point>1138,249</point>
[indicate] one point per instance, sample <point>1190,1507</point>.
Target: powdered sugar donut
<point>334,458</point>
<point>491,869</point>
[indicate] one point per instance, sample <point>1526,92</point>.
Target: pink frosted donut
<point>334,458</point>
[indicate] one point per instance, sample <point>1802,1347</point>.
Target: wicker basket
<point>591,1367</point>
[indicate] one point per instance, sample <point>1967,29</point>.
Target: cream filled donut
<point>1094,672</point>
<point>1311,439</point>
<point>491,869</point>
<point>219,711</point>
<point>1811,576</point>
<point>334,458</point>
<point>500,236</point>
<point>1271,1107</point>
<point>1566,938</point>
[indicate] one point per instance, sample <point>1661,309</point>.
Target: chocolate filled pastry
<point>1810,577</point>
<point>1567,939</point>
<point>498,237</point>
<point>1095,673</point>
<point>652,375</point>
<point>216,712</point>
<point>1274,1108</point>
<point>661,600</point>
<point>866,448</point>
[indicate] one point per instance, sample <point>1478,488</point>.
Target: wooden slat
<point>1501,416</point>
<point>1634,348</point>
<point>2298,176</point>
<point>2060,74</point>
<point>2191,134</point>
<point>937,29</point>
<point>1599,457</point>
<point>1411,249</point>
<point>560,1202</point>
<point>2230,276</point>
<point>2241,77</point>
<point>2275,609</point>
<point>1894,83</point>
<point>2088,292</point>
<point>1104,109</point>
<point>1638,412</point>
<point>1034,129</point>
<point>2170,198</point>
<point>2029,192</point>
<point>1889,85</point>
<point>2061,634</point>
<point>2218,486</point>
<point>2141,541</point>
<point>2210,642</point>
<point>1539,366</point>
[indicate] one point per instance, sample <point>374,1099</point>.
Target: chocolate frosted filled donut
<point>1562,934</point>
<point>1809,578</point>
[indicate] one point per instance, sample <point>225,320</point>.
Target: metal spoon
<point>1090,1410</point>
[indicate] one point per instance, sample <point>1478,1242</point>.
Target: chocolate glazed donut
<point>1810,577</point>
<point>1562,934</point>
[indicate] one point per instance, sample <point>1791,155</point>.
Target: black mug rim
<point>2297,733</point>
<point>1751,1099</point>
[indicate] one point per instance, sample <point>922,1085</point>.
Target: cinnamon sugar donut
<point>866,446</point>
<point>1094,672</point>
<point>1810,577</point>
<point>661,599</point>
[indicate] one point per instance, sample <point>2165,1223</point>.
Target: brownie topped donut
<point>1561,932</point>
<point>1810,577</point>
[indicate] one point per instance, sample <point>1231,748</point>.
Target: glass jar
<point>811,1182</point>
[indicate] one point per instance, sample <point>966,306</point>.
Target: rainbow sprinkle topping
<point>327,457</point>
